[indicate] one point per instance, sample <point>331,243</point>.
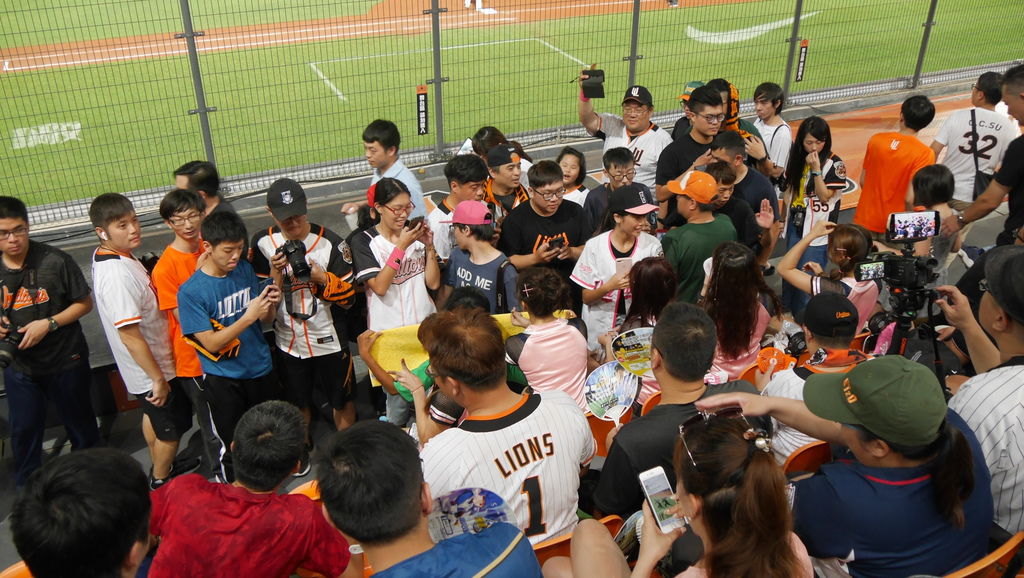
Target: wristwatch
<point>53,324</point>
<point>960,219</point>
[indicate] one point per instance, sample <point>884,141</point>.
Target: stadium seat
<point>994,565</point>
<point>600,428</point>
<point>858,340</point>
<point>16,570</point>
<point>310,489</point>
<point>808,458</point>
<point>748,373</point>
<point>650,403</point>
<point>560,546</point>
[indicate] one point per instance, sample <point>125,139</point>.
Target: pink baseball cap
<point>471,213</point>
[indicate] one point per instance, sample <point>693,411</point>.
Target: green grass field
<point>297,104</point>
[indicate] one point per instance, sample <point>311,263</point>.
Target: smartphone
<point>623,265</point>
<point>556,243</point>
<point>912,227</point>
<point>660,497</point>
<point>413,223</point>
<point>869,270</point>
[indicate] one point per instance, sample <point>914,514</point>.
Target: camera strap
<point>29,283</point>
<point>289,288</point>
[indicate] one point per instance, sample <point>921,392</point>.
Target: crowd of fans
<point>676,237</point>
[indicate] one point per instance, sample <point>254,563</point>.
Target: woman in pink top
<point>730,492</point>
<point>741,304</point>
<point>551,352</point>
<point>847,246</point>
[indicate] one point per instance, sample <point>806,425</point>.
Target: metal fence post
<point>197,80</point>
<point>435,33</point>
<point>794,41</point>
<point>634,38</point>
<point>924,43</point>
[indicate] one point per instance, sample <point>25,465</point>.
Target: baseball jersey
<point>577,195</point>
<point>596,265</point>
<point>995,131</point>
<point>406,302</point>
<point>530,455</point>
<point>890,161</point>
<point>170,272</point>
<point>833,171</point>
<point>317,335</point>
<point>501,206</point>
<point>442,231</point>
<point>125,296</point>
<point>205,300</point>
<point>992,403</point>
<point>646,146</point>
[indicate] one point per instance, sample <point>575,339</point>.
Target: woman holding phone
<point>603,267</point>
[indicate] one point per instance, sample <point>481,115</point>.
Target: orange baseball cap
<point>697,185</point>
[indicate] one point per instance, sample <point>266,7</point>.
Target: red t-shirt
<point>890,161</point>
<point>173,269</point>
<point>209,529</point>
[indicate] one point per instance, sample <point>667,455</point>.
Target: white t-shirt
<point>596,266</point>
<point>992,403</point>
<point>995,131</point>
<point>530,456</point>
<point>646,146</point>
<point>786,439</point>
<point>406,302</point>
<point>778,140</point>
<point>442,231</point>
<point>125,295</point>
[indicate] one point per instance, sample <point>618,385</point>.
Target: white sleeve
<point>782,141</point>
<point>440,463</point>
<point>611,124</point>
<point>442,238</point>
<point>943,137</point>
<point>589,444</point>
<point>585,273</point>
<point>117,295</point>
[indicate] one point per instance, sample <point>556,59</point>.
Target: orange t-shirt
<point>890,162</point>
<point>171,271</point>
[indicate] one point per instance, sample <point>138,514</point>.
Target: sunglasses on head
<point>752,433</point>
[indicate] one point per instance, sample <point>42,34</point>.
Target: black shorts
<point>333,374</point>
<point>171,420</point>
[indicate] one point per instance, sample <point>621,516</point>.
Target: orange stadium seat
<point>600,428</point>
<point>560,546</point>
<point>312,491</point>
<point>994,565</point>
<point>808,458</point>
<point>650,403</point>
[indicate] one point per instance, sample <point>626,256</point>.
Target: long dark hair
<point>745,509</point>
<point>733,296</point>
<point>819,129</point>
<point>952,468</point>
<point>654,286</point>
<point>489,137</point>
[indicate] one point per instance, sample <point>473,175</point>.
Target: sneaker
<point>178,467</point>
<point>304,464</point>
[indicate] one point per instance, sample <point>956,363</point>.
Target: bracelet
<point>583,98</point>
<point>815,173</point>
<point>395,259</point>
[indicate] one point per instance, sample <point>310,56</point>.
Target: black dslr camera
<point>9,344</point>
<point>295,251</point>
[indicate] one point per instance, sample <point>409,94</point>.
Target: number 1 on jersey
<point>531,487</point>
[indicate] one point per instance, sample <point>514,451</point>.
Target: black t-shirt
<point>673,162</point>
<point>649,442</point>
<point>1011,174</point>
<point>743,220</point>
<point>524,230</point>
<point>754,188</point>
<point>59,282</point>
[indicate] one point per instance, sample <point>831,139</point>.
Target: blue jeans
<point>27,397</point>
<point>794,299</point>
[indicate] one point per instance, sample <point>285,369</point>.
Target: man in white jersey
<point>992,402</point>
<point>309,326</point>
<point>530,449</point>
<point>633,130</point>
<point>979,131</point>
<point>136,330</point>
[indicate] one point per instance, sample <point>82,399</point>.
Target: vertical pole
<point>924,43</point>
<point>437,80</point>
<point>634,38</point>
<point>794,40</point>
<point>197,80</point>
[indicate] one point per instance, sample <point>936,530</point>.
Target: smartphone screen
<point>912,227</point>
<point>660,497</point>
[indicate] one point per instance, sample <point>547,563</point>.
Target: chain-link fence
<point>102,96</point>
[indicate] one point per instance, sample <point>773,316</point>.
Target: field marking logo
<point>734,36</point>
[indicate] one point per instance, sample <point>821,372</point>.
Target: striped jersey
<point>406,302</point>
<point>530,455</point>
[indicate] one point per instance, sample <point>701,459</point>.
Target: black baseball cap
<point>286,199</point>
<point>831,315</point>
<point>639,94</point>
<point>629,199</point>
<point>501,155</point>
<point>1004,273</point>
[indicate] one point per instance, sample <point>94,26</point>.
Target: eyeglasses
<point>19,232</point>
<point>623,174</point>
<point>190,219</point>
<point>983,286</point>
<point>403,210</point>
<point>551,196</point>
<point>758,436</point>
<point>633,109</point>
<point>711,118</point>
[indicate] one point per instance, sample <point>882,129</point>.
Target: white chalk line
<point>211,43</point>
<point>336,91</point>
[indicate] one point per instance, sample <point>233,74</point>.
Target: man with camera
<point>991,402</point>
<point>313,267</point>
<point>42,349</point>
